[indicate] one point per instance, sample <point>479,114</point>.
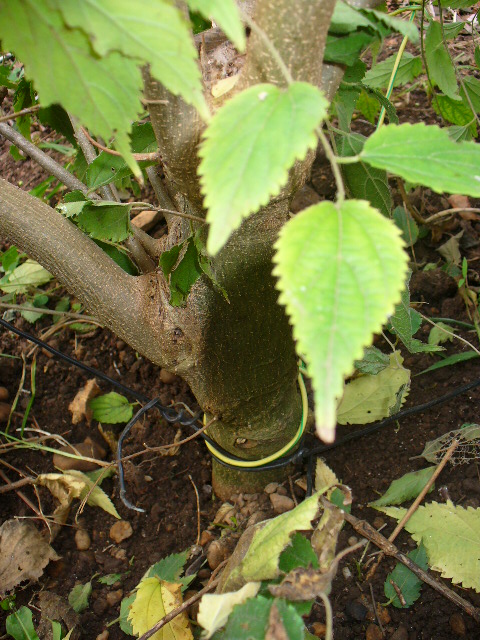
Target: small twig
<point>13,486</point>
<point>367,531</point>
<point>450,333</point>
<point>50,312</point>
<point>377,618</point>
<point>19,114</point>
<point>138,156</point>
<point>399,593</point>
<point>173,212</point>
<point>292,492</point>
<point>176,612</point>
<point>198,509</point>
<point>414,506</point>
<point>448,212</point>
<point>406,200</point>
<point>21,495</point>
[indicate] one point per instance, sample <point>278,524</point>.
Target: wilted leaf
<point>111,408</point>
<point>324,476</point>
<point>79,595</point>
<point>372,397</point>
<point>438,336</point>
<point>467,451</point>
<point>405,488</point>
<point>408,583</point>
<point>215,609</point>
<point>79,405</point>
<point>155,598</point>
<point>450,250</point>
<point>24,553</point>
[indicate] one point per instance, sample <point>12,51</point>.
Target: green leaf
<point>472,87</point>
<point>437,334</point>
<point>249,146</point>
<point>450,360</point>
<point>103,93</point>
<point>405,27</point>
<point>452,29</point>
<point>346,49</point>
<point>5,79</point>
<point>425,155</point>
<point>170,568</point>
<point>169,258</point>
<point>390,110</point>
<point>368,106</point>
<point>118,256</point>
<point>460,134</point>
<point>153,32</point>
<point>372,362</point>
<point>285,620</point>
<point>105,220</point>
<point>455,111</point>
<point>247,621</point>
<point>124,622</point>
<point>298,554</point>
<point>379,75</point>
<point>57,631</point>
<point>346,19</point>
<point>215,609</point>
<point>111,408</point>
<point>405,488</point>
<point>57,119</point>
<point>345,102</point>
<point>79,595</point>
<point>451,535</point>
<point>406,224</point>
<point>184,275</point>
<point>408,583</point>
<point>28,274</point>
<point>477,56</point>
<point>19,625</point>
<point>362,181</point>
<point>372,397</point>
<point>440,67</point>
<point>226,15</point>
<point>10,258</point>
<point>110,578</point>
<point>335,263</point>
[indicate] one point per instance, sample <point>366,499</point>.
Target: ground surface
<point>164,486</point>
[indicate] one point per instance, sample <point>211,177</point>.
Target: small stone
<point>103,636</point>
<point>147,219</point>
<point>88,448</point>
<point>167,377</point>
<point>378,523</point>
<point>271,488</point>
<point>118,554</point>
<point>156,511</point>
<point>204,574</point>
<point>373,632</point>
<point>121,530</point>
<point>4,411</point>
<point>352,540</point>
<point>319,629</point>
<point>282,491</point>
<point>356,610</point>
<point>224,514</point>
<point>216,554</point>
<point>457,624</point>
<point>400,634</point>
<point>82,540</point>
<point>347,574</point>
<point>3,394</point>
<point>281,504</point>
<point>255,518</point>
<point>205,538</point>
<point>100,606</point>
<point>114,597</point>
<point>169,527</point>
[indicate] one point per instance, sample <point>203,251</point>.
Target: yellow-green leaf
<point>215,608</point>
<point>341,271</point>
<point>225,13</point>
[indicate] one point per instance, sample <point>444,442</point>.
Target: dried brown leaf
<point>79,405</point>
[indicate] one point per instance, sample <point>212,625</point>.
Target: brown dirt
<point>163,486</point>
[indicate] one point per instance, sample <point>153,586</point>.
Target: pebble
<point>281,504</point>
<point>167,377</point>
<point>400,634</point>
<point>319,629</point>
<point>457,624</point>
<point>121,530</point>
<point>282,491</point>
<point>4,411</point>
<point>114,597</point>
<point>352,540</point>
<point>88,448</point>
<point>100,606</point>
<point>103,636</point>
<point>271,488</point>
<point>256,517</point>
<point>373,632</point>
<point>82,540</point>
<point>205,538</point>
<point>356,610</point>
<point>204,574</point>
<point>3,394</point>
<point>169,527</point>
<point>378,522</point>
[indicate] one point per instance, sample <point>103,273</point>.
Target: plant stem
<point>334,164</point>
<point>19,114</point>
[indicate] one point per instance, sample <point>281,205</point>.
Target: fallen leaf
<point>275,629</point>
<point>216,607</point>
<point>24,553</point>
<point>459,202</point>
<point>54,607</point>
<point>79,405</point>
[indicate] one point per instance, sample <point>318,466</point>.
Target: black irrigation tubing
<point>179,417</point>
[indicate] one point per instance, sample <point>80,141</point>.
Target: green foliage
<point>440,67</point>
<point>335,263</point>
<point>24,276</point>
<point>225,13</point>
<point>171,568</point>
<point>372,362</point>
<point>425,155</point>
<point>111,408</point>
<point>101,220</point>
<point>450,360</point>
<point>79,595</point>
<point>438,334</point>
<point>19,625</point>
<point>248,148</point>
<point>405,488</point>
<point>379,75</point>
<point>298,554</point>
<point>110,579</point>
<point>406,224</point>
<point>408,583</point>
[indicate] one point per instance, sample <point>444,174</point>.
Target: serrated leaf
<point>468,436</point>
<point>110,578</point>
<point>248,620</point>
<point>460,134</point>
<point>298,554</point>
<point>362,181</point>
<point>455,111</point>
<point>440,68</point>
<point>405,27</point>
<point>155,598</point>
<point>105,220</point>
<point>19,625</point>
<point>284,622</point>
<point>104,94</point>
<point>215,609</point>
<point>153,32</point>
<point>79,595</point>
<point>406,224</point>
<point>373,361</point>
<point>335,263</point>
<point>471,85</point>
<point>28,274</point>
<point>171,568</point>
<point>261,560</point>
<point>124,622</point>
<point>226,15</point>
<point>372,397</point>
<point>408,583</point>
<point>248,148</point>
<point>184,275</point>
<point>379,75</point>
<point>451,535</point>
<point>437,334</point>
<point>111,408</point>
<point>405,488</point>
<point>346,49</point>
<point>324,476</point>
<point>346,19</point>
<point>425,155</point>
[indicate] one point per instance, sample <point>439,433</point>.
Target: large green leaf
<point>405,488</point>
<point>225,13</point>
<point>103,93</point>
<point>440,67</point>
<point>19,625</point>
<point>408,583</point>
<point>379,75</point>
<point>341,270</point>
<point>455,111</point>
<point>153,32</point>
<point>105,220</point>
<point>249,146</point>
<point>346,49</point>
<point>426,155</point>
